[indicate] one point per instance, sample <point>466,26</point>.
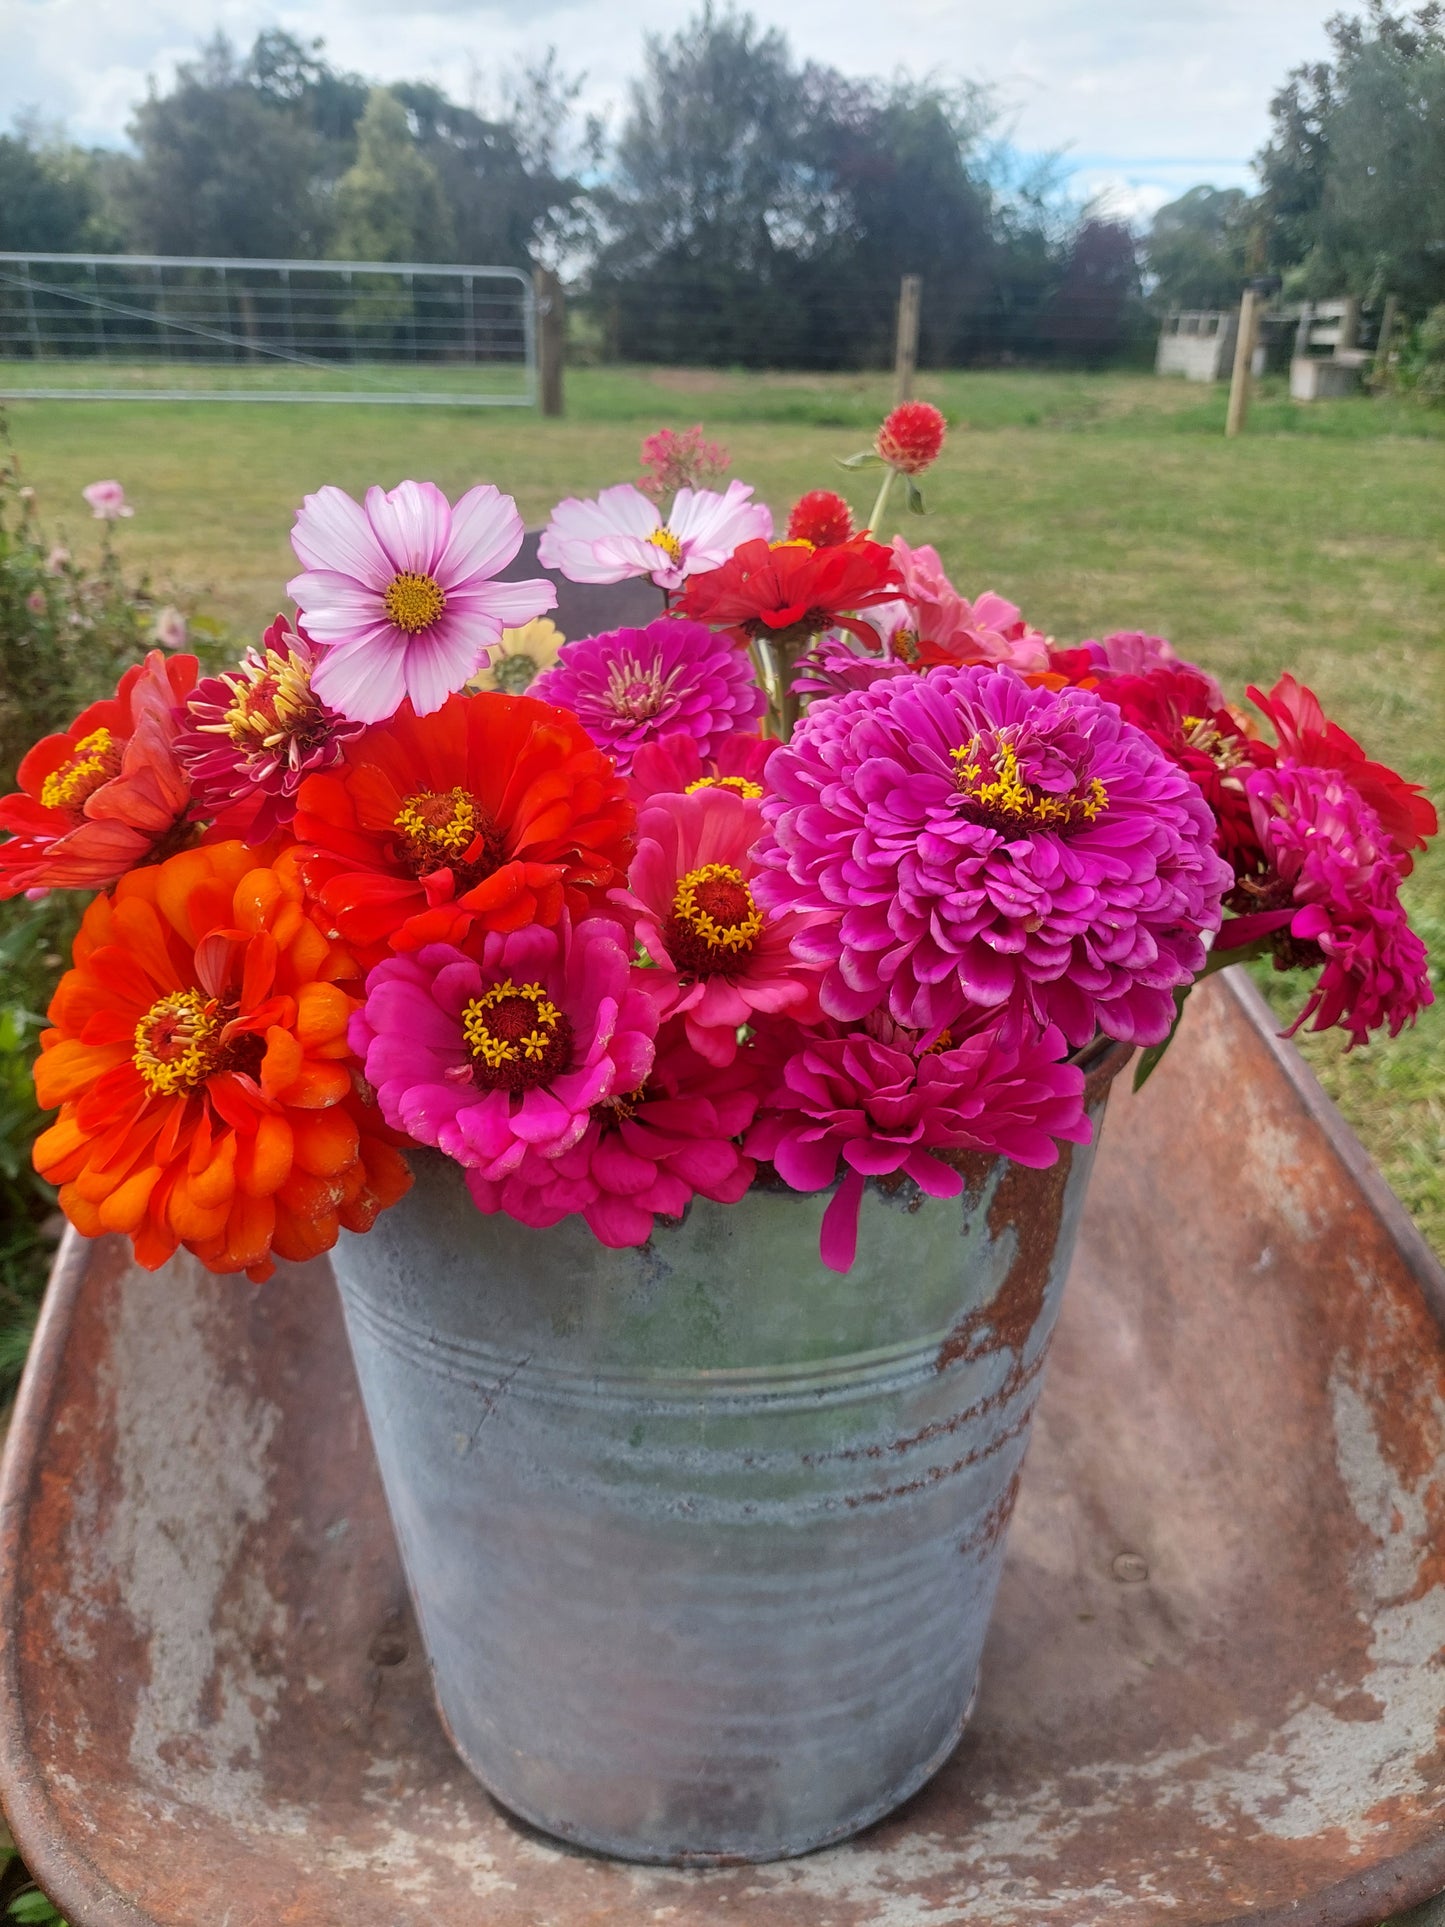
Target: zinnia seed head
<point>715,922</point>
<point>448,830</point>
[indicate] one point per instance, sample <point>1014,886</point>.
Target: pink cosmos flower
<point>885,1099</point>
<point>1333,900</point>
<point>255,732</point>
<point>498,1058</point>
<point>399,596</point>
<point>107,501</point>
<point>721,959</point>
<point>633,686</point>
<point>673,764</point>
<point>644,1153</point>
<point>967,840</point>
<point>620,534</point>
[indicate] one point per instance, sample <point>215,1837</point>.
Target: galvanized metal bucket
<point>703,1538</point>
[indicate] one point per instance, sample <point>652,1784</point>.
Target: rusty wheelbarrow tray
<point>1216,1678</point>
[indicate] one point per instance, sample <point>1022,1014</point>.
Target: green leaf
<point>1149,1060</point>
<point>915,497</point>
<point>34,1907</point>
<point>868,459</point>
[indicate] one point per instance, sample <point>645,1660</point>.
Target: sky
<point>1143,98</point>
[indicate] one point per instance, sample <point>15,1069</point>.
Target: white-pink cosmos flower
<point>107,500</point>
<point>619,535</point>
<point>399,597</point>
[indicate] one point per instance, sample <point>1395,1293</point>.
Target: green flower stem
<point>876,519</point>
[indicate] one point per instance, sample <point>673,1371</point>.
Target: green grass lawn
<point>1095,502</point>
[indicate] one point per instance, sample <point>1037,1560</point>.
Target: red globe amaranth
<point>911,438</point>
<point>822,518</point>
<point>108,793</point>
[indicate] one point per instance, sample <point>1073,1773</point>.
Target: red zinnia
<point>1406,814</point>
<point>105,795</point>
<point>911,439</point>
<point>792,591</point>
<point>495,811</point>
<point>822,518</point>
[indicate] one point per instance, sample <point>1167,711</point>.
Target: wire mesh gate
<point>121,327</point>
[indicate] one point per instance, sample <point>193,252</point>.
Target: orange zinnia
<point>199,1059</point>
<point>494,812</point>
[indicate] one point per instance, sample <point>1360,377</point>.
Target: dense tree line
<point>1352,179</point>
<point>753,208</point>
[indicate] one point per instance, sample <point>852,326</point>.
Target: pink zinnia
<point>720,957</point>
<point>673,765</point>
<point>620,534</point>
<point>933,623</point>
<point>399,596</point>
<point>633,686</point>
<point>501,1057</point>
<point>1333,899</point>
<point>644,1153</point>
<point>970,840</point>
<point>254,732</point>
<point>884,1099</point>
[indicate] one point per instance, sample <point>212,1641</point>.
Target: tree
<point>226,167</point>
<point>1354,172</point>
<point>1198,248</point>
<point>389,203</point>
<point>50,201</point>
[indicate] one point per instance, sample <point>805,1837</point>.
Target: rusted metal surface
<point>658,1508</point>
<point>1213,1689</point>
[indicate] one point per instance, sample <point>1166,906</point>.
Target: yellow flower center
<point>714,922</point>
<point>1225,751</point>
<point>271,702</point>
<point>739,784</point>
<point>1000,797</point>
<point>414,602</point>
<point>448,830</point>
<point>665,540</point>
<point>93,761</point>
<point>516,1037</point>
<point>176,1044</point>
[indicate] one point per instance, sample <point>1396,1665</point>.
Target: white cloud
<point>1144,96</point>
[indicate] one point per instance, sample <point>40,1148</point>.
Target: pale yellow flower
<point>525,653</point>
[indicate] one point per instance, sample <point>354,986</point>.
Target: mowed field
<point>1315,542</point>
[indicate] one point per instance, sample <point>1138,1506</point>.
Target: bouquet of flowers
<point>827,869</point>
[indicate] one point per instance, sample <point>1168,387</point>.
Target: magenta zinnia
<point>973,841</point>
<point>1332,901</point>
<point>883,1099</point>
<point>632,686</point>
<point>720,959</point>
<point>255,731</point>
<point>502,1056</point>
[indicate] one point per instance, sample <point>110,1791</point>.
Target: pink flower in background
<point>633,686</point>
<point>253,733</point>
<point>1333,900</point>
<point>674,764</point>
<point>35,602</point>
<point>679,460</point>
<point>645,1152</point>
<point>400,596</point>
<point>500,1058</point>
<point>967,840</point>
<point>171,628</point>
<point>620,534</point>
<point>720,958</point>
<point>57,560</point>
<point>107,501</point>
<point>884,1099</point>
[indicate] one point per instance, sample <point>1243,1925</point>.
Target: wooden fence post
<point>1243,354</point>
<point>551,334</point>
<point>905,359</point>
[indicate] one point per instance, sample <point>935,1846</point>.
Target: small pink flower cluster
<point>672,461</point>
